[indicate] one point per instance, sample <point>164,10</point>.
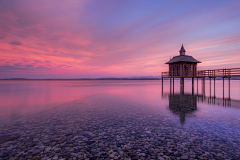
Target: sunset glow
<point>93,39</point>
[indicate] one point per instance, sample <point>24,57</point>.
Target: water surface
<point>119,119</point>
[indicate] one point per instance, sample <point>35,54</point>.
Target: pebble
<point>184,157</point>
<point>36,158</point>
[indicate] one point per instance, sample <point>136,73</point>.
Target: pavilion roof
<point>182,58</point>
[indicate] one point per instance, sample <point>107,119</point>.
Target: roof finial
<point>182,51</point>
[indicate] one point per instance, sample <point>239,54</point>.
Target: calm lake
<point>118,119</point>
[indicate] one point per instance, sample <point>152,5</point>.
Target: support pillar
<point>173,85</point>
<point>182,85</point>
<point>192,85</point>
<point>214,88</point>
<point>210,87</point>
<point>197,86</point>
<point>229,88</point>
<point>203,86</point>
<point>162,86</point>
<point>223,87</point>
<point>170,85</point>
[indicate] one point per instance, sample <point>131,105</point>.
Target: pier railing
<point>230,72</point>
<point>165,74</point>
<point>225,73</point>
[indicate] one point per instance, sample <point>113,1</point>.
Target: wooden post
<point>182,85</point>
<point>229,87</point>
<point>162,86</point>
<point>203,86</point>
<point>223,87</point>
<point>173,85</point>
<point>197,86</point>
<point>214,87</point>
<point>170,85</point>
<point>192,85</point>
<point>210,87</point>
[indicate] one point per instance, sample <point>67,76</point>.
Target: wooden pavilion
<point>182,66</point>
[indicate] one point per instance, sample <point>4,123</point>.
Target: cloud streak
<point>15,43</point>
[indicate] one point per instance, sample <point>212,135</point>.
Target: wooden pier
<point>185,66</point>
<point>203,74</point>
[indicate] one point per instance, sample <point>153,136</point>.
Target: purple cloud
<point>17,67</point>
<point>17,43</point>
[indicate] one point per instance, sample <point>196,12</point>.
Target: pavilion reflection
<point>182,104</point>
<point>186,103</point>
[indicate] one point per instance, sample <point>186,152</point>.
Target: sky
<point>114,38</point>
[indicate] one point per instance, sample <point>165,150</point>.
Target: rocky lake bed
<point>106,128</point>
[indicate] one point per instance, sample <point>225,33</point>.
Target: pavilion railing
<point>165,74</point>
